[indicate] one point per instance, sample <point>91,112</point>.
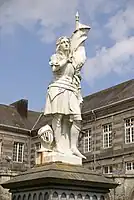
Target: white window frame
<point>87,140</point>
<point>130,166</point>
<point>108,169</point>
<point>107,132</point>
<point>16,154</point>
<point>129,125</point>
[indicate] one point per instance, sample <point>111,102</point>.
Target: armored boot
<point>56,125</point>
<point>75,129</point>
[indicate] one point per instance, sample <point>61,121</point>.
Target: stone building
<point>108,142</point>
<point>17,128</point>
<point>107,137</point>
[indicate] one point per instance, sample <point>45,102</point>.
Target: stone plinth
<point>59,181</point>
<point>49,157</point>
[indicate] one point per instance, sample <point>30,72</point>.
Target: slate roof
<point>105,97</point>
<point>9,116</point>
<point>62,174</point>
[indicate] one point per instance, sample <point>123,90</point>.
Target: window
<point>18,149</point>
<point>108,169</point>
<point>130,166</point>
<point>37,146</point>
<point>129,130</point>
<point>107,135</point>
<point>87,141</point>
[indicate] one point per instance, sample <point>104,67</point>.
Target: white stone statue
<point>64,93</point>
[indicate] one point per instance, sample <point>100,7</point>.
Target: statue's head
<point>63,44</point>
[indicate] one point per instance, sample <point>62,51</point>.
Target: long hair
<point>58,44</point>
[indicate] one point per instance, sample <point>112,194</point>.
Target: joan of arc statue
<point>64,93</point>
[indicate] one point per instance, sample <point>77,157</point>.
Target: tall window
<point>108,169</point>
<point>129,130</point>
<point>87,141</point>
<point>107,135</point>
<point>18,149</point>
<point>130,166</point>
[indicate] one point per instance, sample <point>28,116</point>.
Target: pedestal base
<point>49,157</point>
<point>59,181</point>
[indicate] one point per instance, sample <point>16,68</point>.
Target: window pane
<point>18,152</point>
<point>110,127</point>
<point>128,135</point>
<point>129,130</point>
<point>105,140</point>
<point>110,169</point>
<point>15,152</point>
<point>127,122</point>
<point>132,132</point>
<point>128,166</point>
<point>110,139</point>
<point>107,135</point>
<point>87,141</point>
<point>106,170</point>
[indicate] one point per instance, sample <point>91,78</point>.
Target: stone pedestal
<point>49,157</point>
<point>58,181</point>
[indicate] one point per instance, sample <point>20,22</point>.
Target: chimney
<point>21,107</point>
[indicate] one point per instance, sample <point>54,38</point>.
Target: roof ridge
<point>107,89</point>
<point>5,105</point>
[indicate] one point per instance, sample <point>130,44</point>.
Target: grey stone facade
<point>112,161</point>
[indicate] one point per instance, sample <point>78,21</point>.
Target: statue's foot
<point>69,152</point>
<point>77,152</point>
<point>58,150</point>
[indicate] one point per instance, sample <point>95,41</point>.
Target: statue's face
<point>64,44</point>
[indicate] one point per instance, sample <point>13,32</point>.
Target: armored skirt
<point>63,100</point>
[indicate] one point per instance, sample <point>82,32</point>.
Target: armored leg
<point>75,129</point>
<point>56,125</point>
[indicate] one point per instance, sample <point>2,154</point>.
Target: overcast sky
<point>28,32</point>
